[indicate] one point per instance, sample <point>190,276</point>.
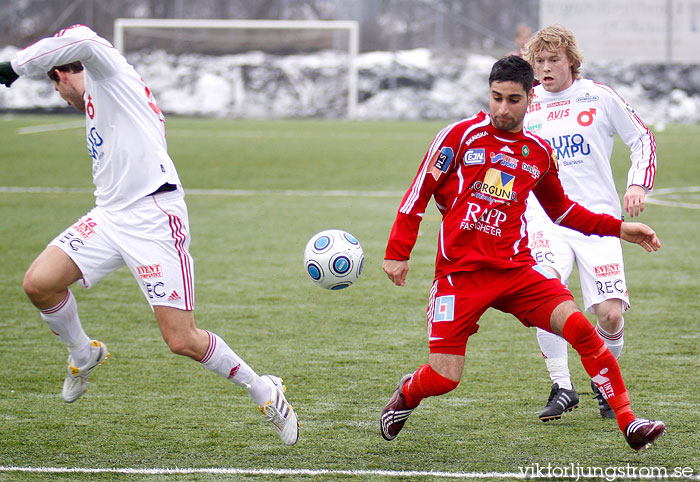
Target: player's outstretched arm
<point>640,234</point>
<point>396,270</point>
<point>7,74</point>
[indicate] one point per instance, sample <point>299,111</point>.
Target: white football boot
<point>76,382</point>
<point>279,412</point>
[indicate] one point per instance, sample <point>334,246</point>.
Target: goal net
<point>246,68</point>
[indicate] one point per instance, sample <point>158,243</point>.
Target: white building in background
<point>633,30</point>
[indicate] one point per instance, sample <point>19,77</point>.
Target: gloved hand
<point>7,75</point>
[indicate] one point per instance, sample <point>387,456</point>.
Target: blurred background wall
<point>418,59</point>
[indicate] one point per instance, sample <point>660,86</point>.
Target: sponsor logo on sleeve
<point>441,162</point>
<point>534,125</point>
<point>444,160</point>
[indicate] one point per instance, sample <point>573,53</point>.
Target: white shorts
<point>598,258</point>
<point>151,237</point>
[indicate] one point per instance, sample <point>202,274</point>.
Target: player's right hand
<point>7,74</point>
<point>396,270</point>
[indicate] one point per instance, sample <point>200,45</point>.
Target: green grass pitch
<point>340,353</point>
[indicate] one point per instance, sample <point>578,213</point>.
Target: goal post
<point>349,26</point>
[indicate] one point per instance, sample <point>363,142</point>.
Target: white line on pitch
<point>412,474</point>
<point>675,204</point>
<point>673,190</point>
<point>652,198</point>
<point>233,471</point>
<point>59,126</point>
<point>248,134</point>
<point>225,192</point>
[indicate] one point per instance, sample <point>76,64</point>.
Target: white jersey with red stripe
<point>580,124</point>
<point>125,128</point>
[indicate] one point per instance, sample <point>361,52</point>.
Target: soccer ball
<point>333,259</point>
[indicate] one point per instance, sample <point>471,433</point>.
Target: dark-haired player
<point>140,220</point>
<point>480,172</point>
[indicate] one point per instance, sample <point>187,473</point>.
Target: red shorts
<point>458,300</point>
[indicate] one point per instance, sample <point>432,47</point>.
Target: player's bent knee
<point>180,346</point>
<point>35,290</point>
<point>583,338</point>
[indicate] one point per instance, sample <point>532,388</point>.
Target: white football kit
<point>580,124</point>
<point>131,224</point>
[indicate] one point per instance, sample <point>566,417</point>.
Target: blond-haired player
<point>579,118</point>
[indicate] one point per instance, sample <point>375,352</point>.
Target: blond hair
<point>552,38</point>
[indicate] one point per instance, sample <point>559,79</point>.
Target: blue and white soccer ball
<point>333,259</point>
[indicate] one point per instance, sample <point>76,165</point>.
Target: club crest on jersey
<point>474,156</point>
<point>497,184</point>
<point>441,162</point>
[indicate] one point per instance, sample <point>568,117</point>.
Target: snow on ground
<point>415,84</point>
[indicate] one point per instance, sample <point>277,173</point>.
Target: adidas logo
<point>507,150</point>
<point>234,370</point>
<point>174,296</point>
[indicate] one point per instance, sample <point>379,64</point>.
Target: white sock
<point>64,322</point>
<point>260,391</point>
<point>556,357</point>
<point>614,341</point>
<point>221,359</point>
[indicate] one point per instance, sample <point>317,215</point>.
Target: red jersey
<point>480,178</point>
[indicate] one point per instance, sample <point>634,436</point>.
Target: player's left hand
<point>634,200</point>
<point>640,234</point>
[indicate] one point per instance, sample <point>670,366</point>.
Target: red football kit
<point>480,178</point>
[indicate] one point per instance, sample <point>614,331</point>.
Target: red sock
<point>426,382</point>
<point>601,365</point>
